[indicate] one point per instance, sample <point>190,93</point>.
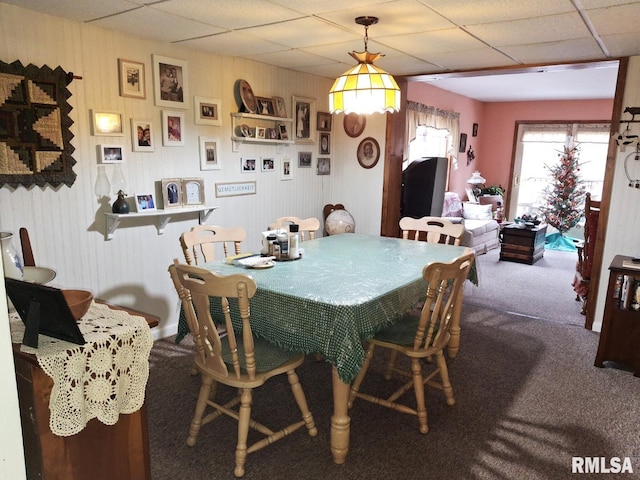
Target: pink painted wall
<point>496,127</point>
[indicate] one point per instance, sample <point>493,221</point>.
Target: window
<point>429,142</point>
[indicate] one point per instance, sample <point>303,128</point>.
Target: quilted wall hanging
<point>35,140</point>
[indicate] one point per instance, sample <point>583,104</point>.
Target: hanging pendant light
<point>365,88</point>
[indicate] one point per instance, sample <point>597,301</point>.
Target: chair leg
<point>444,376</point>
<point>301,400</point>
<point>355,386</point>
<point>418,387</point>
<point>393,355</point>
<point>244,419</point>
<point>201,405</point>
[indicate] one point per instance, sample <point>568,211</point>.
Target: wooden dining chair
<point>199,243</point>
<point>421,337</point>
<point>244,363</point>
<point>27,252</point>
<point>432,229</point>
<point>307,226</point>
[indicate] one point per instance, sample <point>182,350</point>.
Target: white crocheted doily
<point>101,379</point>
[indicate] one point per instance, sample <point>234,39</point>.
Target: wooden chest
<point>524,245</point>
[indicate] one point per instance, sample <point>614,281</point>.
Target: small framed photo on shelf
<point>325,143</point>
<point>171,192</point>
<point>142,136</point>
<point>107,124</point>
<point>132,80</point>
<point>145,202</point>
<point>324,122</point>
<point>304,159</point>
<point>304,111</point>
<point>207,111</point>
<point>209,159</point>
<point>282,131</point>
<point>192,191</point>
<point>268,164</point>
<point>110,154</point>
<point>280,108</point>
<point>324,166</point>
<point>266,106</point>
<point>170,82</point>
<point>172,128</point>
<point>286,169</point>
<point>261,132</point>
<point>272,133</point>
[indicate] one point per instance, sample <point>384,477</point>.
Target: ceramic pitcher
<point>13,267</point>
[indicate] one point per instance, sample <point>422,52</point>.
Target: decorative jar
<point>13,267</point>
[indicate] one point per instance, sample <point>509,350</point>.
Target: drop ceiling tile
<point>233,44</point>
<point>466,12</point>
<point>552,52</point>
<point>531,30</point>
<point>228,14</point>
<point>314,7</point>
<point>469,59</point>
<point>330,71</point>
<point>301,33</point>
<point>290,59</point>
<point>148,23</point>
<point>447,40</point>
<point>613,20</point>
<point>76,10</point>
<point>622,45</point>
<point>402,65</point>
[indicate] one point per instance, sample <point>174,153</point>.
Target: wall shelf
<point>254,120</point>
<point>162,217</point>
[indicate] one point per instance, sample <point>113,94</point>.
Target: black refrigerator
<point>423,185</point>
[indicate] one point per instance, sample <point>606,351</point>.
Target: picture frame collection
<point>182,192</point>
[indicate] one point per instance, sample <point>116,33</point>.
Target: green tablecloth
<point>345,288</point>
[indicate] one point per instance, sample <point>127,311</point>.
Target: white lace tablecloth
<point>101,379</point>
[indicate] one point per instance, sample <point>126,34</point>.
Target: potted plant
<point>492,190</point>
<point>492,195</point>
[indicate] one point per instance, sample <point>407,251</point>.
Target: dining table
<point>343,289</point>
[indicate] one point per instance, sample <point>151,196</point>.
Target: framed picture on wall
<point>170,82</point>
<point>107,124</point>
<point>132,79</point>
<point>209,159</point>
<point>463,143</point>
<point>304,111</point>
<point>110,154</point>
<point>207,111</point>
<point>171,192</point>
<point>286,169</point>
<point>142,136</point>
<point>172,128</point>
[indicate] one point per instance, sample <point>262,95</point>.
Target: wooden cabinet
<point>620,335</point>
<point>524,245</point>
<point>98,452</point>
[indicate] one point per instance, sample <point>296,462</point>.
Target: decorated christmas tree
<point>565,196</point>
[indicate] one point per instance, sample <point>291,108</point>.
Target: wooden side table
<point>99,451</point>
<point>523,245</point>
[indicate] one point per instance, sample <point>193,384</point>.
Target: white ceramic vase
<point>13,267</point>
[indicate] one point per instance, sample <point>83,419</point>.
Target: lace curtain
<point>418,114</point>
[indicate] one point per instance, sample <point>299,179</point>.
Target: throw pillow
<point>474,211</point>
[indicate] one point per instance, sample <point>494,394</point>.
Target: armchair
<point>586,249</point>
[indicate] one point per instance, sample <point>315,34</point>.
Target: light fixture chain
<point>366,37</point>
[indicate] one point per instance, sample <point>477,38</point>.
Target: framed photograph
<point>261,132</point>
<point>245,98</point>
<point>142,136</point>
<point>282,131</point>
<point>170,82</point>
<point>207,111</point>
<point>280,108</point>
<point>145,202</point>
<point>172,128</point>
<point>107,124</point>
<point>171,192</point>
<point>474,132</point>
<point>267,164</point>
<point>286,169</point>
<point>463,143</point>
<point>470,195</point>
<point>368,152</point>
<point>325,143</point>
<point>304,159</point>
<point>266,106</point>
<point>324,122</point>
<point>110,154</point>
<point>272,133</point>
<point>304,110</point>
<point>192,191</point>
<point>324,166</point>
<point>354,124</point>
<point>209,159</point>
<point>132,80</point>
<point>247,165</point>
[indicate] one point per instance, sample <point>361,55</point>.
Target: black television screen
<point>43,310</point>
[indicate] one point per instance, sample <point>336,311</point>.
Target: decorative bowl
<point>79,301</point>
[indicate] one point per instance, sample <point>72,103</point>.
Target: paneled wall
<point>67,225</point>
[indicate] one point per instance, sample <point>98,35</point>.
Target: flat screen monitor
<point>43,310</point>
